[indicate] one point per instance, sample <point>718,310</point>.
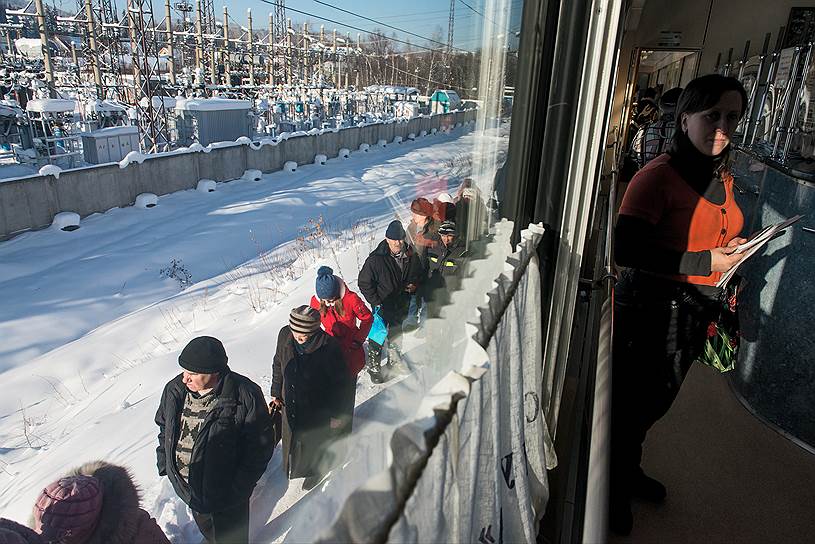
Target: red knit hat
<point>68,510</point>
<point>422,206</point>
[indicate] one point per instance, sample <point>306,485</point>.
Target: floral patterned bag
<point>722,343</point>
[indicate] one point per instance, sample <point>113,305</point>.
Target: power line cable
<point>349,26</point>
<point>379,22</point>
<point>477,12</point>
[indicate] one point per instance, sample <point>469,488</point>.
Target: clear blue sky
<point>422,17</point>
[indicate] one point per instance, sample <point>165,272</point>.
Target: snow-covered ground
<point>91,325</point>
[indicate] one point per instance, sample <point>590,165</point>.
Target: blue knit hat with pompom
<point>327,285</point>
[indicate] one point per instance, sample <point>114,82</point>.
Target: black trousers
<point>227,526</point>
<point>659,330</point>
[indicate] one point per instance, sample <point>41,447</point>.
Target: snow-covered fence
<point>31,202</point>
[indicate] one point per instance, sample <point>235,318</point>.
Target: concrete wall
<point>31,203</point>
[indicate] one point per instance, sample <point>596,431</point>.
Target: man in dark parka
<point>390,275</point>
<point>310,382</point>
<point>215,440</point>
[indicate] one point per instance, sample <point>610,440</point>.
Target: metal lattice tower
<point>109,48</point>
<point>279,20</point>
<point>101,47</point>
<point>450,27</point>
<point>149,87</point>
<point>205,28</point>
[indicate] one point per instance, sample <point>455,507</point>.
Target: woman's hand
<point>723,259</point>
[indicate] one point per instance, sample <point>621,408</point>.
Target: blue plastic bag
<point>379,331</point>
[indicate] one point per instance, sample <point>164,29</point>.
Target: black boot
<point>620,518</point>
<point>647,488</point>
<point>373,364</point>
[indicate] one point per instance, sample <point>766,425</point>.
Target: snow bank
<point>364,147</point>
<point>133,156</point>
<point>344,153</point>
<point>146,200</point>
<point>320,159</point>
<point>205,186</point>
<point>252,175</point>
<point>433,131</point>
<point>397,139</point>
<point>422,134</point>
<point>412,137</point>
<point>67,221</point>
<point>196,147</point>
<point>290,166</point>
<point>243,140</point>
<point>382,143</point>
<point>50,170</point>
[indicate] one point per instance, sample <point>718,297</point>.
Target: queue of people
<point>216,431</point>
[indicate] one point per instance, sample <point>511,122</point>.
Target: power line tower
<point>280,35</point>
<point>205,30</point>
<point>103,47</point>
<point>148,85</point>
<point>279,19</point>
<point>448,53</point>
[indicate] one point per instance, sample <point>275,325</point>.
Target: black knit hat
<point>203,355</point>
<point>395,231</point>
<point>304,320</point>
<point>447,228</point>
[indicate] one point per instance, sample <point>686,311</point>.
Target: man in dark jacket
<point>390,275</point>
<point>446,262</point>
<point>310,382</point>
<point>215,440</point>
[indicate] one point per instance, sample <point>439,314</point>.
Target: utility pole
<point>168,16</point>
<point>448,54</point>
<point>46,50</point>
<point>270,63</point>
<point>94,53</point>
<point>336,75</point>
<point>225,54</point>
<point>289,32</point>
<point>199,45</point>
<point>305,54</point>
<point>251,50</point>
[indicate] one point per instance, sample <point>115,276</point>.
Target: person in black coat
<point>445,262</point>
<point>215,440</point>
<point>311,384</point>
<point>390,275</point>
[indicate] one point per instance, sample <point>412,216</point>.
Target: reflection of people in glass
<point>678,226</point>
<point>390,275</point>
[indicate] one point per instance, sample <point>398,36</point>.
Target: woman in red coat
<point>340,309</point>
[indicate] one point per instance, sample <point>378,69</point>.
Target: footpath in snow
<point>92,321</point>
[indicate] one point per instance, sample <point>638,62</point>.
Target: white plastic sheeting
<point>474,470</point>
